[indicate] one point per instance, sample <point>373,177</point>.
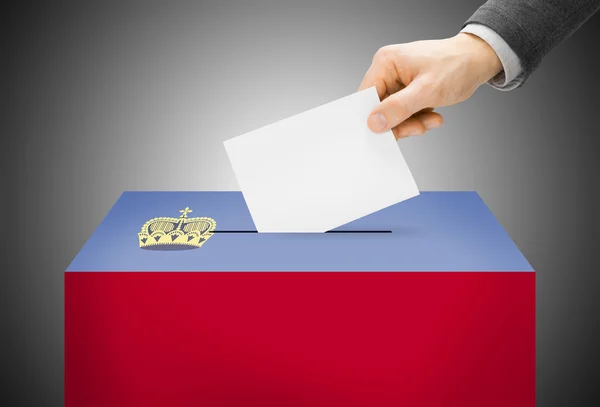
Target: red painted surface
<point>300,339</point>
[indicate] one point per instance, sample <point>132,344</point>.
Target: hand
<point>414,78</point>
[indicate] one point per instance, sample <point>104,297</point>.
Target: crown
<point>176,233</point>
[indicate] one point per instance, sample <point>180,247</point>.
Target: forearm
<point>532,28</point>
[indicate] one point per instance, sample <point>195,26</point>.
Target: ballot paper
<point>320,169</point>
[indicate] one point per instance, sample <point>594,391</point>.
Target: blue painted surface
<point>435,231</point>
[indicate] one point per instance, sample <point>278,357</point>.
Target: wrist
<point>480,56</point>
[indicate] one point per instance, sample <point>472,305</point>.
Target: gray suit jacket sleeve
<point>532,28</point>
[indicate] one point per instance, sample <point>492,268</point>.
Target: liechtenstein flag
<point>175,300</point>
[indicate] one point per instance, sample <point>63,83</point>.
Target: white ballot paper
<point>320,169</point>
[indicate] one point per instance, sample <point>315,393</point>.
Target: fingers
<point>373,78</point>
<point>382,74</point>
<point>403,109</point>
<point>418,124</point>
<point>399,107</point>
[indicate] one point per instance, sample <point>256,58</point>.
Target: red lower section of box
<point>300,339</point>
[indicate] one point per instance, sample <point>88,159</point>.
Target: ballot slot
<point>331,231</point>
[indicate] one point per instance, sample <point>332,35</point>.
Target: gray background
<point>101,98</point>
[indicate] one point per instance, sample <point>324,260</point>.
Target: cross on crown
<point>185,212</point>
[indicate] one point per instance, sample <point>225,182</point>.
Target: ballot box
<point>176,300</point>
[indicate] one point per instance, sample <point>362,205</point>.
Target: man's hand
<point>412,79</point>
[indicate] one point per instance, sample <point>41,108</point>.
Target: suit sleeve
<point>533,28</point>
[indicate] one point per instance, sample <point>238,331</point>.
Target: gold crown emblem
<point>176,233</point>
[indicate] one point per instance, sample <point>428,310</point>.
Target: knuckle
<point>398,107</point>
<point>432,90</point>
<point>383,50</point>
<point>383,54</point>
<point>428,87</point>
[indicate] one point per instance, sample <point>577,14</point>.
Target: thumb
<point>398,107</point>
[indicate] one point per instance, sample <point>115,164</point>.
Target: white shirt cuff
<point>512,75</point>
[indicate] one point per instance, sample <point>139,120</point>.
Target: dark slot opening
<point>359,231</point>
<point>331,231</point>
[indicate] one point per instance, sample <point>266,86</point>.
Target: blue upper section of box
<point>436,231</point>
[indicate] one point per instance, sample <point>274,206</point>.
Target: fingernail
<point>377,122</point>
<point>432,125</point>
